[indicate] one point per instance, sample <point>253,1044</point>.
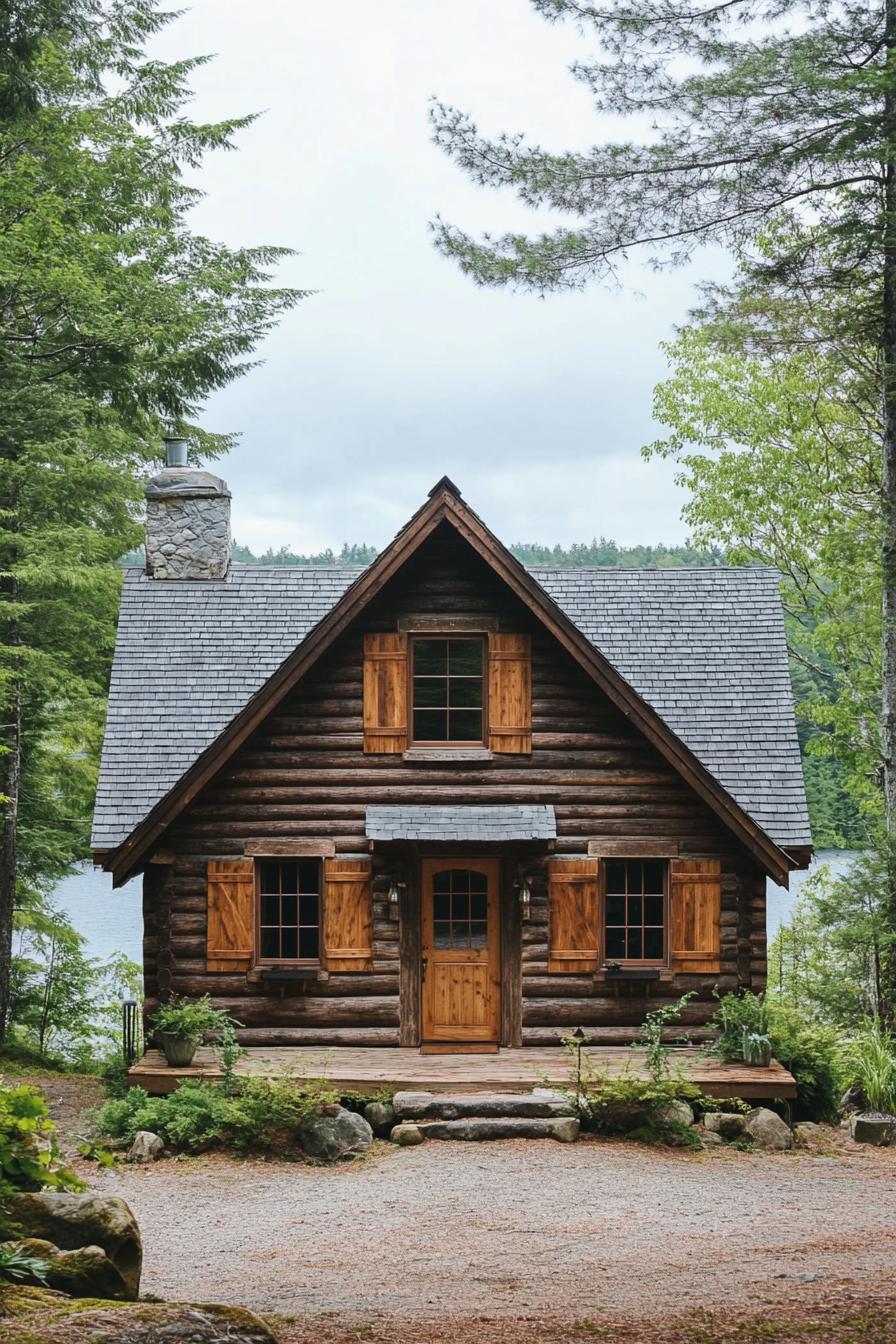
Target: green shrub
<point>809,1050</point>
<point>871,1061</point>
<point>29,1155</point>
<point>17,1267</point>
<point>257,1114</point>
<point>625,1104</point>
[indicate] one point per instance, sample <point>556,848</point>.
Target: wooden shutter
<point>230,934</point>
<point>348,915</point>
<point>385,692</point>
<point>510,693</point>
<point>573,891</point>
<point>695,902</point>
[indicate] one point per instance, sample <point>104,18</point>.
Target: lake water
<point>781,902</point>
<point>112,921</point>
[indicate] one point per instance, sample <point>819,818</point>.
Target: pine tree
<point>114,318</point>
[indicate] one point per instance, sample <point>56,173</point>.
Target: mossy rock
<point>39,1316</point>
<point>73,1221</point>
<point>85,1272</point>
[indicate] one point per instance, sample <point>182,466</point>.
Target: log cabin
<point>444,802</point>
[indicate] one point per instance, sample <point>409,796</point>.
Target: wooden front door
<point>461,950</point>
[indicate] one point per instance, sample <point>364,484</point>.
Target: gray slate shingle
<point>522,821</point>
<point>704,647</point>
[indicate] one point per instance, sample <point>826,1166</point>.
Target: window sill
<point>634,973</point>
<point>447,754</point>
<point>284,975</point>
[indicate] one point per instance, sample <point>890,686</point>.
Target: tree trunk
<point>888,353</point>
<point>11,769</point>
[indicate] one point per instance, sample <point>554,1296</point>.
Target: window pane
<point>615,910</point>
<point>430,657</point>
<point>465,657</point>
<point>442,880</point>
<point>478,935</point>
<point>465,692</point>
<point>615,944</point>
<point>289,910</point>
<point>289,944</point>
<point>289,876</point>
<point>430,725</point>
<point>615,875</point>
<point>270,877</point>
<point>465,725</point>
<point>309,943</point>
<point>309,875</point>
<point>460,932</point>
<point>270,943</point>
<point>634,944</point>
<point>270,909</point>
<point>460,905</point>
<point>308,910</point>
<point>634,909</point>
<point>478,881</point>
<point>653,909</point>
<point>653,876</point>
<point>430,692</point>
<point>653,944</point>
<point>441,934</point>
<point>441,905</point>
<point>478,905</point>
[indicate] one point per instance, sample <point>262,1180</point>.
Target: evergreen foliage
<point>116,317</point>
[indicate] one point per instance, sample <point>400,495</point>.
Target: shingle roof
<point>519,821</point>
<point>704,647</point>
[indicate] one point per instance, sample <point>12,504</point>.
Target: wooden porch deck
<point>367,1070</point>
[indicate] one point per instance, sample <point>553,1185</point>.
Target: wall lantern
<point>524,887</point>
<point>393,896</point>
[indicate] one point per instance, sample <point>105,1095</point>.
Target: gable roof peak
<point>445,486</point>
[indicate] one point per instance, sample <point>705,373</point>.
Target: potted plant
<point>180,1026</point>
<point>757,1049</point>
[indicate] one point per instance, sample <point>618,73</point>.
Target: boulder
<point>407,1135</point>
<point>872,1127</point>
<point>710,1139</point>
<point>727,1124</point>
<point>73,1221</point>
<point>807,1134</point>
<point>380,1116</point>
<point>675,1112</point>
<point>86,1272</point>
<point>39,1314</point>
<point>768,1130</point>
<point>333,1137</point>
<point>147,1147</point>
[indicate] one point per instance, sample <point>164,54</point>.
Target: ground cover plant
<point>871,1060</point>
<point>254,1114</point>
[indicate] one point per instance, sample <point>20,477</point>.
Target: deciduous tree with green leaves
<point>115,318</point>
<point>757,107</point>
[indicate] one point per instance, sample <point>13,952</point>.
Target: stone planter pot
<point>757,1050</point>
<point>178,1052</point>
<point>872,1127</point>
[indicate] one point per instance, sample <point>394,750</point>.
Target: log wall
<point>303,774</point>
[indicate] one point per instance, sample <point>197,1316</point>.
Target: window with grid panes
<point>447,689</point>
<point>635,910</point>
<point>289,909</point>
<point>460,909</point>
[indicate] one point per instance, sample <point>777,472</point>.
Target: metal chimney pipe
<point>175,450</point>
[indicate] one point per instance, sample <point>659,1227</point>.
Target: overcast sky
<point>399,369</point>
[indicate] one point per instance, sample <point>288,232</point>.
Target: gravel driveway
<point>515,1227</point>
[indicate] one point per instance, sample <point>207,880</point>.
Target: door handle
<point>424,962</point>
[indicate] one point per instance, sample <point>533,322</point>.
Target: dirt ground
<point>528,1240</point>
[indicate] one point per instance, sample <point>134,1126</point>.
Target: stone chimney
<point>187,520</point>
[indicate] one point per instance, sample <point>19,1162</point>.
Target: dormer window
<point>447,690</point>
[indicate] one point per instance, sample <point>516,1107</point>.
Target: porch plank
<point>367,1070</point>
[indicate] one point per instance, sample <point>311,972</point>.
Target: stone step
<point>565,1129</point>
<point>542,1104</point>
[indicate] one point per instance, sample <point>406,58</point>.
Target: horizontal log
<point>257,1010</point>
<point>609,1010</point>
<point>191,977</point>
<point>322,1036</point>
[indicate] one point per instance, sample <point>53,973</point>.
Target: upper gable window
<point>448,689</point>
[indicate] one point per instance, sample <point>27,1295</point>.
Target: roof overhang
<point>444,505</point>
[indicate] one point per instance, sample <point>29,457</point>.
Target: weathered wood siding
<point>304,774</point>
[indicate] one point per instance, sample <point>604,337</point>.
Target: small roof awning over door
<point>521,821</point>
